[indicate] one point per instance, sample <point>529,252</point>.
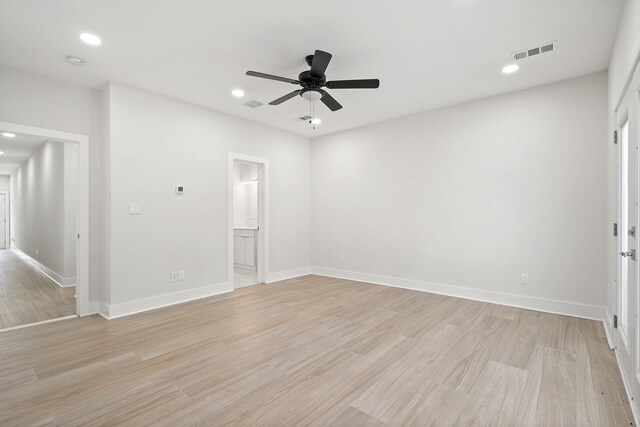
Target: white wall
<point>42,212</point>
<point>4,182</point>
<point>157,142</point>
<point>473,195</point>
<point>35,100</point>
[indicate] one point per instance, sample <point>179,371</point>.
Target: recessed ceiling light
<point>511,68</point>
<point>238,93</point>
<point>1,153</point>
<point>8,135</point>
<point>316,121</point>
<point>91,39</point>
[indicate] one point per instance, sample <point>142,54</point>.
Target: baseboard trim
<point>288,274</point>
<point>609,331</point>
<point>114,311</point>
<point>42,322</point>
<point>627,389</point>
<point>103,310</point>
<point>63,282</point>
<point>520,301</point>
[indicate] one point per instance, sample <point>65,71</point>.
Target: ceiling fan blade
<point>320,63</point>
<point>354,84</point>
<point>271,77</point>
<point>284,98</point>
<point>330,102</point>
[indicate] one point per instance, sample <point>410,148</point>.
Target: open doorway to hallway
<point>38,178</point>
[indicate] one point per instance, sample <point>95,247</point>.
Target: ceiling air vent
<point>520,55</point>
<point>305,118</point>
<point>533,51</point>
<point>546,48</point>
<point>253,104</point>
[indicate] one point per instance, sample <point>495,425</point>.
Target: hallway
<point>28,296</point>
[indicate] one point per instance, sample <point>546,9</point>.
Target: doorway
<point>70,259</point>
<point>627,338</point>
<point>248,209</point>
<point>39,266</point>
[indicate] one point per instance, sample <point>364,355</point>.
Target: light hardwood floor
<point>314,351</point>
<point>28,296</point>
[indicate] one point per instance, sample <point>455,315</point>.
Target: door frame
<point>262,234</point>
<point>7,236</point>
<point>82,204</point>
<point>628,351</point>
<point>629,341</point>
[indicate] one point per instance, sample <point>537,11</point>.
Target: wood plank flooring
<point>314,351</point>
<point>28,296</point>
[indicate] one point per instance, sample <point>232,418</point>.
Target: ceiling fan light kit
<point>313,80</point>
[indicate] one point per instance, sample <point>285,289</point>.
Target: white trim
<point>82,213</point>
<point>7,213</point>
<point>63,282</point>
<point>566,308</point>
<point>627,389</point>
<point>42,322</point>
<point>608,328</point>
<point>288,274</point>
<point>158,301</point>
<point>94,307</point>
<point>262,235</point>
<point>103,309</point>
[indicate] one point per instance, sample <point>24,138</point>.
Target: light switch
<point>135,209</point>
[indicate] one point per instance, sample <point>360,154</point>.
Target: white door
<point>3,221</point>
<point>626,337</point>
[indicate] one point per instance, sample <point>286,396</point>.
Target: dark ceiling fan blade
<point>271,77</point>
<point>320,63</point>
<point>354,84</point>
<point>330,102</point>
<point>284,98</point>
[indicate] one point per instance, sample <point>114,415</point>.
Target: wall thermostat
<point>179,189</point>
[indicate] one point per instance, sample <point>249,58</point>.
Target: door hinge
<point>615,228</point>
<point>615,321</point>
<point>615,136</point>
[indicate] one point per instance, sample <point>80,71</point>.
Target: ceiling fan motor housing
<point>307,79</point>
<point>311,85</point>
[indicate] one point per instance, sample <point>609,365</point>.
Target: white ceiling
<point>17,150</point>
<point>427,54</point>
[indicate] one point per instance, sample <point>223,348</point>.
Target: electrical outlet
<point>174,276</point>
<point>341,258</point>
<point>181,275</point>
<point>37,250</point>
<point>524,279</point>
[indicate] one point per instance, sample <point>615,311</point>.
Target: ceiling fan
<point>314,80</point>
